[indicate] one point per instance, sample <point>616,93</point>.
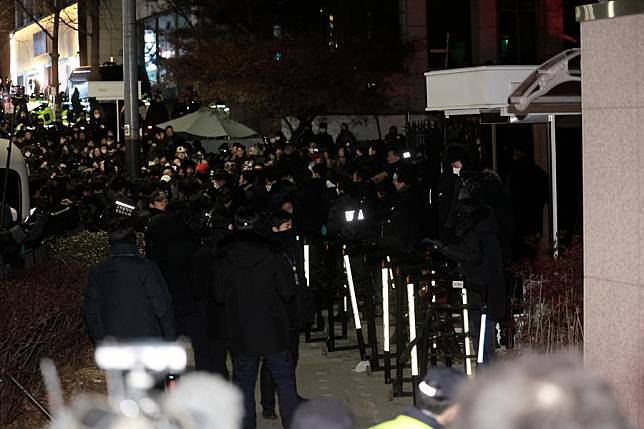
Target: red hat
<point>201,167</point>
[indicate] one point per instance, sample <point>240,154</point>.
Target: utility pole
<point>131,88</point>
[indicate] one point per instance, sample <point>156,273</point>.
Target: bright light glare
<point>466,331</point>
<point>352,293</point>
<point>412,328</point>
<point>385,307</point>
<point>112,357</point>
<point>482,338</point>
<point>157,358</point>
<point>427,390</point>
<point>307,273</point>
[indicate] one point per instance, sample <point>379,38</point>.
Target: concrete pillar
<point>484,31</point>
<point>613,168</point>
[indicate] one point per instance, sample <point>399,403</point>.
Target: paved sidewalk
<point>332,376</point>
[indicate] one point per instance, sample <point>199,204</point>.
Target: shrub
<point>552,305</point>
<point>88,248</point>
<point>41,316</point>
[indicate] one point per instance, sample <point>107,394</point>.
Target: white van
<point>18,196</point>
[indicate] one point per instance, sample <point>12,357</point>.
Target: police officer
<point>436,405</point>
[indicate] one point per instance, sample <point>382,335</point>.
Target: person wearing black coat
<point>325,141</point>
<point>157,112</point>
<point>315,201</point>
<point>480,258</point>
<point>449,185</point>
<point>203,270</point>
<point>345,138</point>
<point>402,229</point>
<point>527,186</point>
<point>299,310</point>
<point>126,296</point>
<point>255,282</point>
<point>170,243</point>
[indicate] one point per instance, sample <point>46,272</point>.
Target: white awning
<point>520,93</point>
<point>552,89</point>
<point>473,90</point>
<point>525,92</point>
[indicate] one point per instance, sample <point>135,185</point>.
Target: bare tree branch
<point>180,11</point>
<point>70,22</point>
<point>34,19</point>
<point>105,8</point>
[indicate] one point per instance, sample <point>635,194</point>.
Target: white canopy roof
<point>524,93</point>
<point>552,88</point>
<point>473,90</point>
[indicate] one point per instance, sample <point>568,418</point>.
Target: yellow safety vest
<point>47,115</point>
<point>403,422</point>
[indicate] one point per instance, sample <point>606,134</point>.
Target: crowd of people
<point>223,231</point>
<point>223,234</point>
<point>533,392</point>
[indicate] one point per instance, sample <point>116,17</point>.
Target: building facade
<point>157,23</point>
<point>500,31</point>
<point>31,46</point>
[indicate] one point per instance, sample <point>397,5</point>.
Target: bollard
<point>412,335</point>
<point>354,307</point>
<point>466,331</point>
<point>385,322</point>
<point>479,360</point>
<point>307,269</point>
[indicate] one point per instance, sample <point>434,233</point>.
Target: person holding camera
<point>254,281</point>
<point>126,296</point>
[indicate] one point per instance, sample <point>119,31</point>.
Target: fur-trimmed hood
<point>470,214</point>
<point>246,249</point>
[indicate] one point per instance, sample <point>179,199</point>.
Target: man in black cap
<point>436,405</point>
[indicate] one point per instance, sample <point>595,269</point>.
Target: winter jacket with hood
<point>479,254</point>
<point>254,281</point>
<point>170,244</point>
<point>126,298</point>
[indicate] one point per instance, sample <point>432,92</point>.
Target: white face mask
<point>97,116</point>
<point>456,170</point>
<point>268,188</point>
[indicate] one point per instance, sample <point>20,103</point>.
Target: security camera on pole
<point>130,86</point>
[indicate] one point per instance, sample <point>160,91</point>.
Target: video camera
<point>138,367</point>
<point>133,370</point>
<point>16,95</point>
